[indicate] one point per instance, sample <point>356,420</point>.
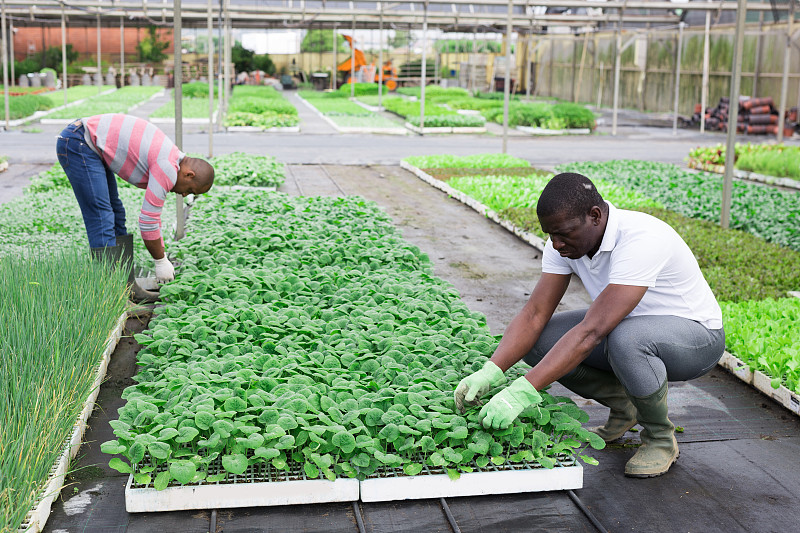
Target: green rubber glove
<point>507,404</point>
<point>472,387</point>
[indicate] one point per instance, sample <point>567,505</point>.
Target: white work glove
<point>164,270</point>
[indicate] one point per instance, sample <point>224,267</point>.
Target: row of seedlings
<point>260,108</point>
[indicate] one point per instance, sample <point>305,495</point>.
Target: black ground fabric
<point>738,468</point>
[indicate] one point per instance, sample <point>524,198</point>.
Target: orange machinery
<point>389,72</point>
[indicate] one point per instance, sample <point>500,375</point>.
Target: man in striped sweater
<point>92,150</point>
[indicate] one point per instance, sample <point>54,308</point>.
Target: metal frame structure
<point>522,16</point>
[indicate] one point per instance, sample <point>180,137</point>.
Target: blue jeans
<point>642,351</point>
<point>95,187</point>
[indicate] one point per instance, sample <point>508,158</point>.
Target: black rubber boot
<point>605,388</point>
<point>138,294</point>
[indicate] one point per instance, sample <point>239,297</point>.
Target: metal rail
<point>333,180</point>
<point>297,183</point>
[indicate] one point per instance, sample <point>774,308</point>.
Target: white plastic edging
<point>35,520</point>
<point>257,129</point>
<point>472,484</point>
<point>745,175</point>
<point>534,240</point>
<point>761,382</point>
<point>446,129</point>
<point>230,495</point>
<point>543,131</point>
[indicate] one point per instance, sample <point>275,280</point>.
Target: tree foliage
<point>151,48</point>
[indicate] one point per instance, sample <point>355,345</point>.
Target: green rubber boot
<point>138,294</point>
<point>605,388</point>
<point>659,449</point>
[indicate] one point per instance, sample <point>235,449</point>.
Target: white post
<point>424,70</point>
<point>228,55</point>
<point>704,95</point>
<point>122,51</point>
<point>63,54</point>
<point>617,58</point>
<point>733,114</point>
<point>380,58</point>
<point>210,24</point>
<point>677,79</point>
<point>353,60</point>
<point>335,70</point>
<point>507,80</point>
<point>99,68</point>
<point>5,63</point>
<point>787,54</point>
<point>178,97</point>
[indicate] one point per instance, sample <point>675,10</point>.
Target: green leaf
<point>182,471</point>
<point>234,463</point>
<point>113,447</point>
<point>412,469</point>
<point>186,434</point>
<point>120,466</point>
<point>136,452</point>
<point>344,441</point>
<point>159,450</point>
<point>311,470</point>
<point>204,419</point>
<point>162,480</point>
<point>142,479</point>
<point>589,460</point>
<point>453,474</point>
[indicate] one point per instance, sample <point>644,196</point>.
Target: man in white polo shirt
<point>653,319</point>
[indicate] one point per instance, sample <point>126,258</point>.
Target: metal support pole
<point>220,63</point>
<point>228,50</point>
<point>11,54</point>
<point>380,58</point>
<point>335,70</point>
<point>574,66</point>
<point>583,62</point>
<point>787,54</point>
<point>63,54</point>
<point>122,51</point>
<point>704,94</point>
<point>5,62</point>
<point>617,66</point>
<point>528,60</point>
<point>733,113</point>
<point>210,25</point>
<point>178,97</point>
<point>424,70</point>
<point>353,61</point>
<point>677,79</point>
<point>759,40</point>
<point>507,80</point>
<point>99,68</point>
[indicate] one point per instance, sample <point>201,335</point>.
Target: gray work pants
<point>642,351</point>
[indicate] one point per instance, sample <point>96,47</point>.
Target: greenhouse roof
<point>460,15</point>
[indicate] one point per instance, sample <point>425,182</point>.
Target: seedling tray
<point>260,486</point>
<point>509,478</point>
<point>446,129</point>
<point>37,517</point>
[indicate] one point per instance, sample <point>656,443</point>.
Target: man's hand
<point>164,270</point>
<point>507,404</point>
<point>476,385</point>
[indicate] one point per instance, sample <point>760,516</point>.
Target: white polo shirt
<point>641,250</point>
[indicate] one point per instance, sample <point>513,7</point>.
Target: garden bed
<point>35,520</point>
<point>339,114</point>
<point>455,129</point>
<point>122,100</point>
<point>79,90</point>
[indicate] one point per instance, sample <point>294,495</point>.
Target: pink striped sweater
<point>141,154</point>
